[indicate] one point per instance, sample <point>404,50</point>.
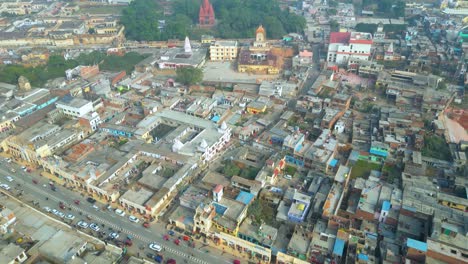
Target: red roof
<point>340,37</point>
<point>218,188</point>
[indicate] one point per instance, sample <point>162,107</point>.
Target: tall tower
<point>206,16</point>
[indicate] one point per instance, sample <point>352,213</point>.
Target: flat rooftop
<point>224,72</point>
<point>140,196</point>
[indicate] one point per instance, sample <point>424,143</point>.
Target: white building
<point>224,50</point>
<point>74,107</point>
<point>191,136</point>
<point>349,47</point>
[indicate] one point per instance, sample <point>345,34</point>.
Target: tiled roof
<point>340,37</point>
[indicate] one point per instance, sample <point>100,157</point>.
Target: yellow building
<point>6,125</point>
<point>258,58</point>
<point>256,107</point>
<point>207,39</point>
<point>224,50</point>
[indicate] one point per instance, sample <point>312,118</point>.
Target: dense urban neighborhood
<point>230,131</point>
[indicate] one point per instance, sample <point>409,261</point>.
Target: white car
<point>288,177</point>
<point>120,212</point>
<point>155,247</point>
<point>70,217</point>
<point>95,207</point>
<point>47,209</point>
<point>54,211</point>
<point>133,219</point>
<point>114,235</point>
<point>82,224</point>
<point>60,214</point>
<point>94,227</point>
<point>5,186</point>
<point>9,178</point>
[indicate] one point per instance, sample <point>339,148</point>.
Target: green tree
<point>188,8</point>
<point>141,20</point>
<point>334,26</point>
<point>189,76</point>
<point>230,169</point>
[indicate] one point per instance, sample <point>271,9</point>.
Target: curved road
<point>140,234</point>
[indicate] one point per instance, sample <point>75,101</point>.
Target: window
<point>453,251</point>
<point>324,238</point>
<point>464,255</point>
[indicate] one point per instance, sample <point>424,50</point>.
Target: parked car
<point>133,219</point>
<point>5,186</point>
<point>159,258</point>
<point>47,209</point>
<point>171,261</point>
<point>82,224</point>
<point>70,217</point>
<point>120,212</point>
<point>94,227</point>
<point>91,200</point>
<point>287,177</point>
<point>114,235</point>
<point>9,178</point>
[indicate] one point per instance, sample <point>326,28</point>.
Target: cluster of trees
<point>142,19</point>
<point>57,65</point>
<point>37,76</point>
<point>391,8</point>
<point>436,147</point>
<point>189,76</point>
<point>236,19</point>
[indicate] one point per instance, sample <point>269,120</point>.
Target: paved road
<point>141,235</point>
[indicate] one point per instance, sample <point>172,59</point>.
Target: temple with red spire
<point>206,16</point>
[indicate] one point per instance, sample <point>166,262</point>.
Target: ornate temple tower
<point>206,17</point>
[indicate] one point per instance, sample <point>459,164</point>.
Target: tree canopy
<point>236,19</point>
<point>189,76</point>
<point>142,20</point>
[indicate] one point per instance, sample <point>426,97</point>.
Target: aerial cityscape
<point>233,131</point>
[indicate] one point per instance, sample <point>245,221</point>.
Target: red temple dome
<point>206,15</point>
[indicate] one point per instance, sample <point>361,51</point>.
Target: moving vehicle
<point>146,224</point>
<point>155,247</point>
<point>77,202</point>
<point>9,178</point>
<point>171,261</point>
<point>287,177</point>
<point>91,200</point>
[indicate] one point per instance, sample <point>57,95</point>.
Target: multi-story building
<point>224,50</point>
<point>74,107</point>
<point>349,47</point>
